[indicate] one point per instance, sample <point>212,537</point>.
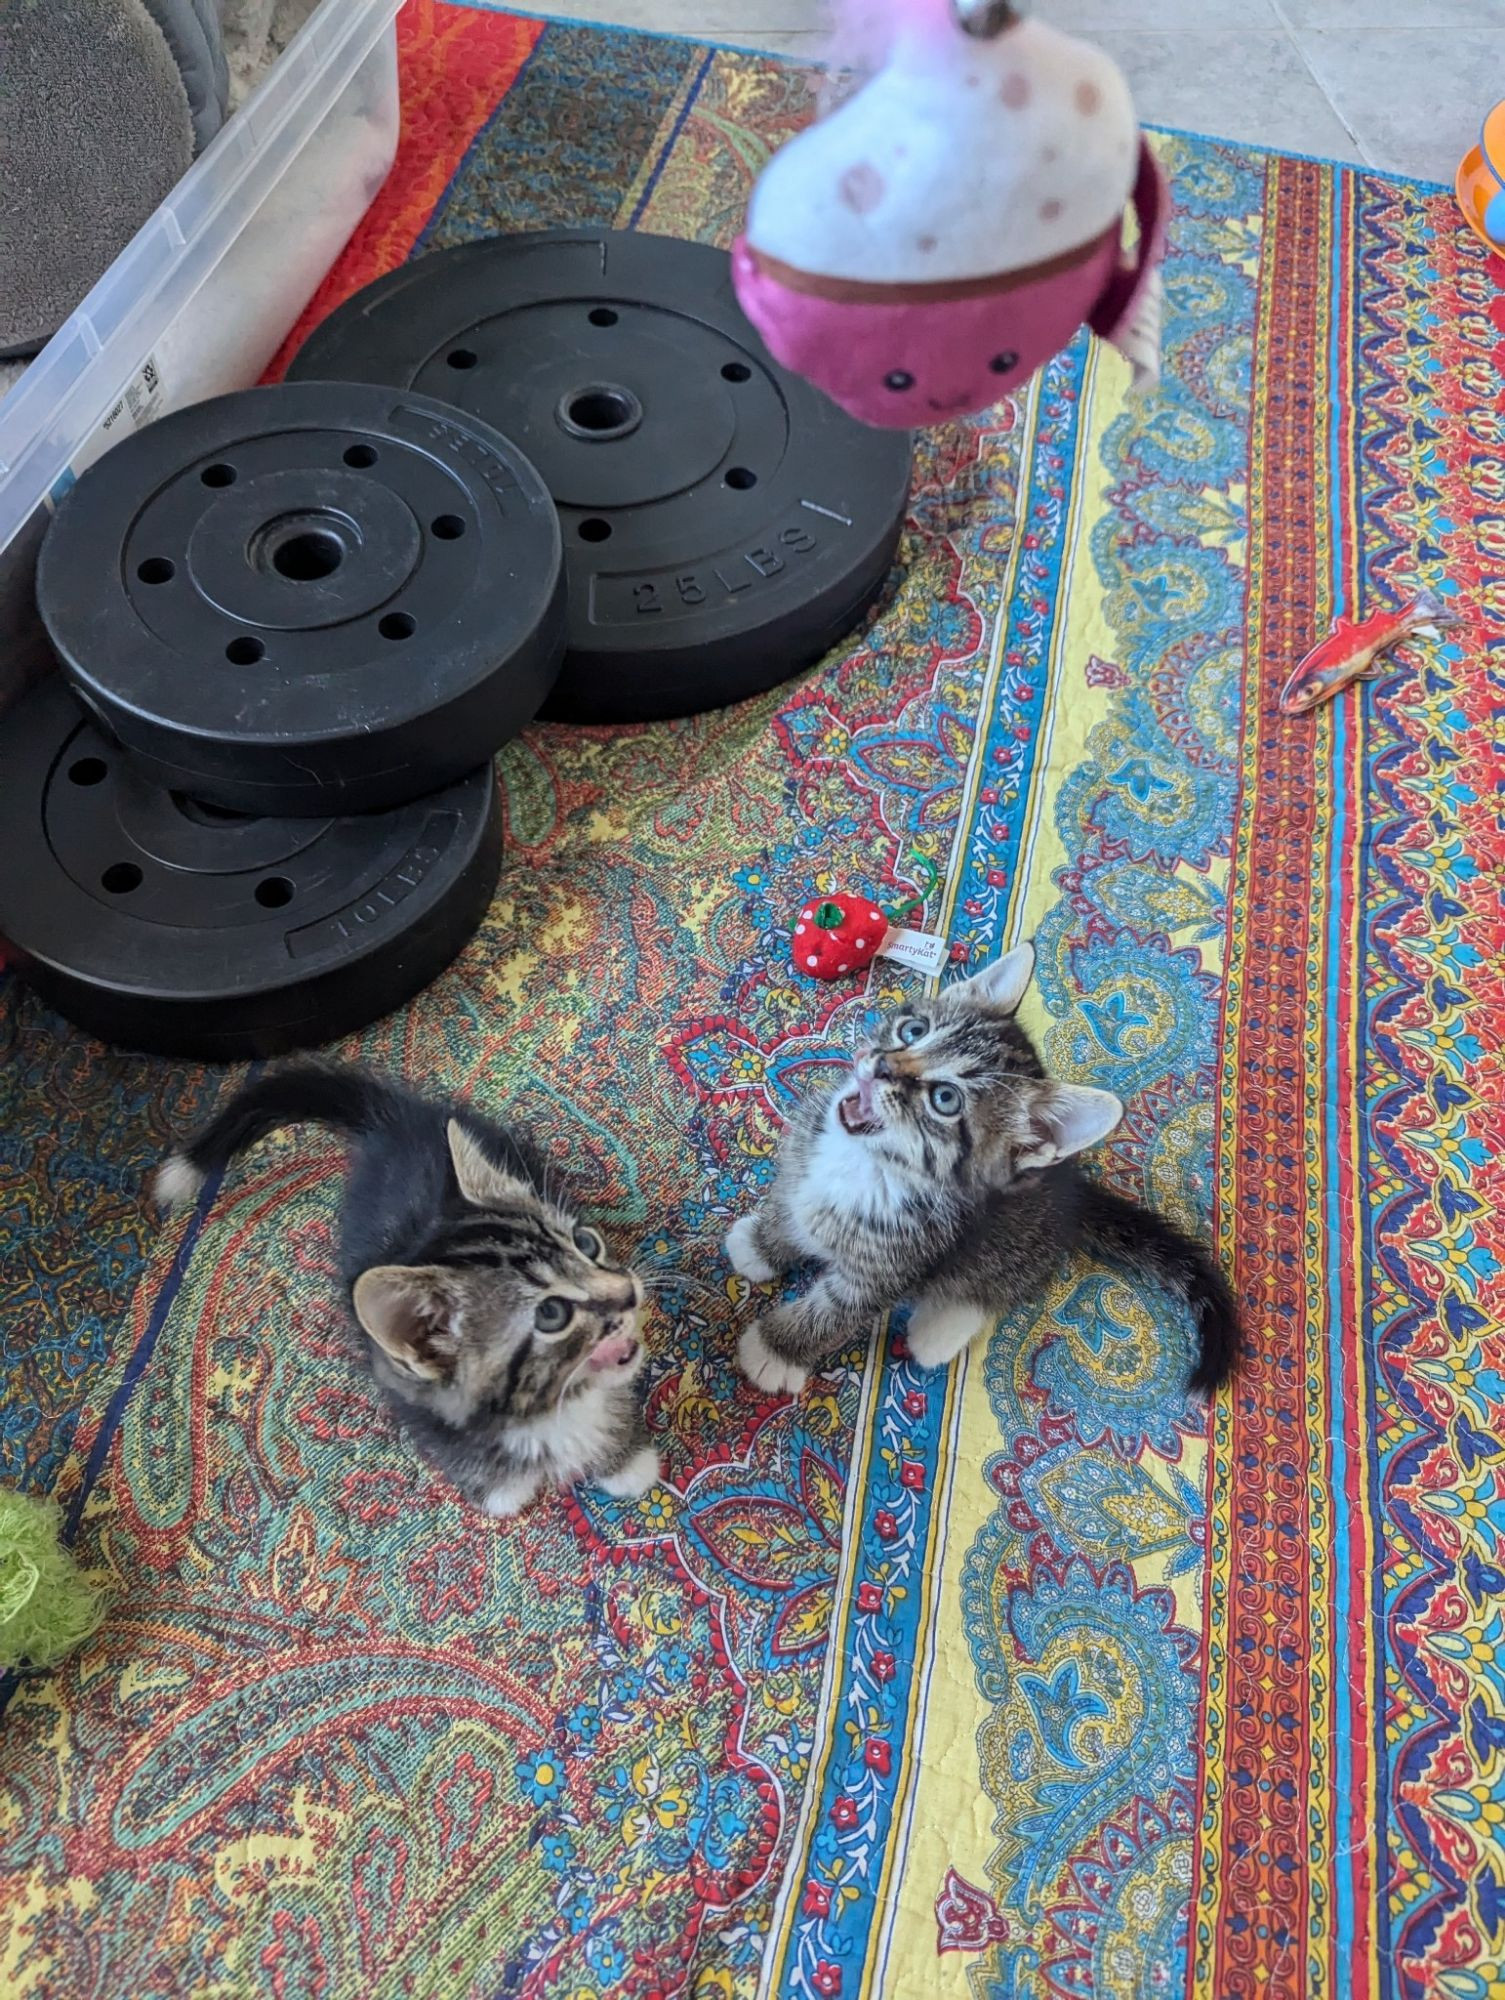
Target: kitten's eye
<point>1002,363</point>
<point>898,379</point>
<point>552,1315</point>
<point>589,1244</point>
<point>911,1029</point>
<point>945,1100</point>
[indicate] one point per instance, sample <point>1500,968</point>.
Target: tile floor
<point>1401,84</point>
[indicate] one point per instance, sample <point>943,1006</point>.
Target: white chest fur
<point>845,1183</point>
<point>576,1439</point>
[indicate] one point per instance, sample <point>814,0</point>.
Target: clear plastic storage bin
<point>200,298</point>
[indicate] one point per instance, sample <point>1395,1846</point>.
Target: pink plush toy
<point>947,229</point>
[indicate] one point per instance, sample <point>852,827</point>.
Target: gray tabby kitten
<point>501,1330</point>
<point>942,1174</point>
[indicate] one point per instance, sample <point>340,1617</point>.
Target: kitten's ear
<point>481,1180</point>
<point>1002,985</point>
<point>409,1312</point>
<point>1066,1118</point>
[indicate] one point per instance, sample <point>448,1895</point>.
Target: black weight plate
<point>158,923</point>
<point>724,523</point>
<point>312,599</point>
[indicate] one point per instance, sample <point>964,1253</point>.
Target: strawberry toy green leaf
<point>837,935</point>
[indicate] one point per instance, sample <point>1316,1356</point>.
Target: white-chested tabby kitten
<point>942,1175</point>
<point>503,1333</point>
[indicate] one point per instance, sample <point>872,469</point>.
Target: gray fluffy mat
<point>103,104</point>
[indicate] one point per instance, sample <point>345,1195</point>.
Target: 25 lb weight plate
<point>160,923</point>
<point>309,599</point>
<point>724,524</point>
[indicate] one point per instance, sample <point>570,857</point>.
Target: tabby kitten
<point>942,1174</point>
<point>502,1332</point>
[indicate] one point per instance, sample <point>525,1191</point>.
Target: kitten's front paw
<point>742,1252</point>
<point>638,1476</point>
<point>765,1369</point>
<point>508,1497</point>
<point>937,1334</point>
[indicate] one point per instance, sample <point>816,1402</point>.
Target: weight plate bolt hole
<point>157,569</point>
<point>397,625</point>
<point>448,527</point>
<point>87,771</point>
<point>244,651</point>
<point>121,877</point>
<point>360,456</point>
<point>218,475</point>
<point>740,478</point>
<point>273,892</point>
<point>594,530</point>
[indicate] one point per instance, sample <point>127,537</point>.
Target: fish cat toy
<point>1353,647</point>
<point>937,237</point>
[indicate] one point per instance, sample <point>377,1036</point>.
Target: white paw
<point>638,1476</point>
<point>509,1498</point>
<point>178,1182</point>
<point>937,1334</point>
<point>763,1367</point>
<point>742,1252</point>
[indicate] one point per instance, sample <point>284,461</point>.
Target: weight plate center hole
<point>305,547</point>
<point>306,556</point>
<point>599,412</point>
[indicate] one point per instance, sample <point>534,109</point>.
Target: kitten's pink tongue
<point>616,1352</point>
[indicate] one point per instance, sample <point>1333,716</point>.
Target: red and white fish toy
<point>1352,647</point>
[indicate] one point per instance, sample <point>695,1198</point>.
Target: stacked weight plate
<point>297,623</point>
<point>553,473</point>
<point>724,523</point>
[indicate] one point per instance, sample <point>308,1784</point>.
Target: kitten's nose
<point>882,1069</point>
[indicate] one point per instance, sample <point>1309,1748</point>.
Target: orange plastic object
<point>1474,185</point>
<point>1481,177</point>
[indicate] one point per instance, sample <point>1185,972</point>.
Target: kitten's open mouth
<point>621,1351</point>
<point>857,1113</point>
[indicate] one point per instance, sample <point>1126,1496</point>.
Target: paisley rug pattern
<point>1017,1682</point>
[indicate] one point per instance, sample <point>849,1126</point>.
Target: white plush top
<point>959,159</point>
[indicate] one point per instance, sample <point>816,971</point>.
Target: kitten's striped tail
<point>1125,1233</point>
<point>350,1100</point>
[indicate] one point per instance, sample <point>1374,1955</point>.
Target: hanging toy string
<point>923,868</point>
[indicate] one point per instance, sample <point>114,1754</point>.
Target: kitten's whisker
<point>570,1379</point>
<point>658,1280</point>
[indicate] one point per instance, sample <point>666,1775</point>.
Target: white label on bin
<point>136,405</point>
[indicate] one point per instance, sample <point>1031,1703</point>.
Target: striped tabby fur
<point>943,1174</point>
<point>500,1328</point>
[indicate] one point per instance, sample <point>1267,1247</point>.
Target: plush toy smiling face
<point>920,360</point>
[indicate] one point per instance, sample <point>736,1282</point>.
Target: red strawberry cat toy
<point>836,935</point>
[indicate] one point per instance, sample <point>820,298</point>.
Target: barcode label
<point>136,405</point>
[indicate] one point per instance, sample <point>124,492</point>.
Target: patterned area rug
<point>1015,1682</point>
